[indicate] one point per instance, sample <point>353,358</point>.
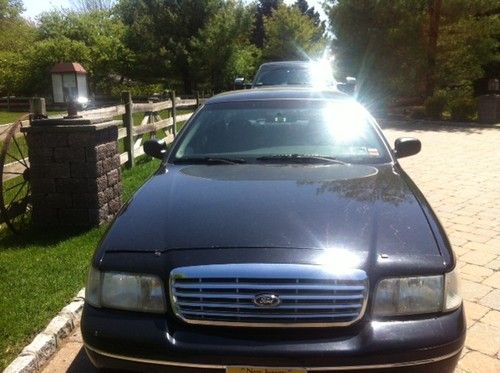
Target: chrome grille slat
<point>248,296</point>
<point>269,315</point>
<point>202,287</point>
<point>282,306</point>
<point>309,295</point>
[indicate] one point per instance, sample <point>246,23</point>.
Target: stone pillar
<point>75,172</point>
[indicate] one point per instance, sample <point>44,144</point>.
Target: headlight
<point>125,291</point>
<point>416,295</point>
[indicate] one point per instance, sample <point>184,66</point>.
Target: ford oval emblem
<point>266,300</point>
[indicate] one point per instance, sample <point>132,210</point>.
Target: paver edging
<point>45,344</point>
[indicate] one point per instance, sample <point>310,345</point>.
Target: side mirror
<point>155,148</point>
<point>239,83</point>
<point>406,146</point>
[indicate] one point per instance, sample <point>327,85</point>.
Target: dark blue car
<point>280,234</point>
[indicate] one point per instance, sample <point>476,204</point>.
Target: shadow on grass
<point>38,236</point>
<point>132,179</point>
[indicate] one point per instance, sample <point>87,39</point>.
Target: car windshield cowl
<point>209,160</point>
<point>300,158</point>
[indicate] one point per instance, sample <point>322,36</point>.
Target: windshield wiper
<point>300,158</point>
<point>209,160</point>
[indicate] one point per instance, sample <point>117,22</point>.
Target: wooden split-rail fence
<point>161,120</point>
<point>152,123</point>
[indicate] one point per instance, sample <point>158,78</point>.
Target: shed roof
<point>68,67</point>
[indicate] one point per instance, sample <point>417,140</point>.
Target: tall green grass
<point>41,270</point>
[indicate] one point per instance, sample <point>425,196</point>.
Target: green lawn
<point>9,116</point>
<point>12,116</point>
<point>41,271</point>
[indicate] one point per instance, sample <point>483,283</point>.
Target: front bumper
<point>134,341</point>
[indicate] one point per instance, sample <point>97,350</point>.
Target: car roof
<point>279,93</point>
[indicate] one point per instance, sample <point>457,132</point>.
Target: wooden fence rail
<point>152,124</point>
<point>160,121</point>
<point>14,103</point>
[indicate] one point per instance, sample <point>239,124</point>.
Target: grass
<point>16,151</point>
<point>11,116</point>
<point>40,271</point>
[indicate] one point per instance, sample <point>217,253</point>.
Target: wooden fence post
<point>128,122</point>
<point>174,113</point>
<point>38,108</point>
<point>197,98</point>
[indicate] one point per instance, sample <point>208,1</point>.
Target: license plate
<point>263,370</point>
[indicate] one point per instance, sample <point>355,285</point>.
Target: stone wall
<point>75,172</point>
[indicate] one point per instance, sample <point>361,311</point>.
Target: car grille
<point>268,295</point>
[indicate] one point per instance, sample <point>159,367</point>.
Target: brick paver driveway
<point>458,170</point>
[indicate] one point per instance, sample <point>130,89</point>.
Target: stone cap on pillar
<point>64,122</point>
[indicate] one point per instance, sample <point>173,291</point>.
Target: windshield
<point>302,75</point>
<point>284,76</point>
<point>256,131</point>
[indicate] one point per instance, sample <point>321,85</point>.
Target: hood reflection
<point>385,186</point>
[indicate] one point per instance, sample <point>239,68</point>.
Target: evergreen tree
<point>291,35</point>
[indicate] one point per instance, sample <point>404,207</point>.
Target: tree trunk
<point>434,10</point>
<point>187,82</point>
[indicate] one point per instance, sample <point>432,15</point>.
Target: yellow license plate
<point>263,370</point>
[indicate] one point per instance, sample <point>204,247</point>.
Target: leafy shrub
<point>435,105</point>
<point>137,89</point>
<point>461,103</point>
<point>463,108</point>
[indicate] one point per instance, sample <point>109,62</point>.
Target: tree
<point>10,9</point>
<point>468,41</point>
<point>16,36</point>
<point>383,44</point>
<point>45,54</point>
<point>413,48</point>
<point>160,35</point>
<point>95,39</point>
<point>291,35</point>
<point>263,9</point>
<point>434,10</point>
<point>304,8</point>
<point>227,32</point>
<point>91,5</point>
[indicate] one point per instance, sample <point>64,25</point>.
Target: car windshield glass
<point>286,131</point>
<point>314,74</point>
<point>284,76</point>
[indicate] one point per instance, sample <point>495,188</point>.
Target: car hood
<point>359,212</point>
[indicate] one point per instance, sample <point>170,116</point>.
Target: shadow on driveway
<point>431,126</point>
<point>81,363</point>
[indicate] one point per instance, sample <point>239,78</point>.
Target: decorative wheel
<point>15,196</point>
